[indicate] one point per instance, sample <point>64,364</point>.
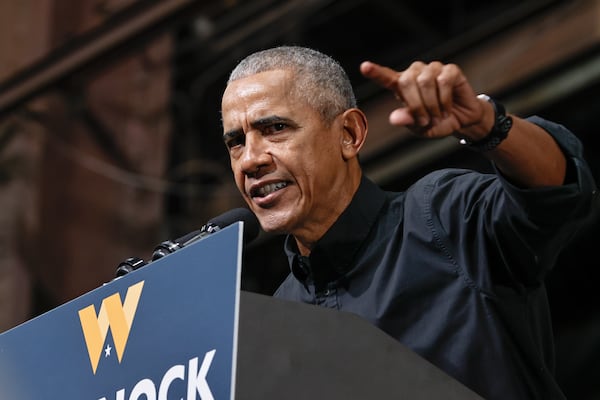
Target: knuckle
<point>424,80</point>
<point>443,80</point>
<point>404,80</point>
<point>416,65</point>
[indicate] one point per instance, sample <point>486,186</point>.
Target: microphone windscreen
<point>251,224</point>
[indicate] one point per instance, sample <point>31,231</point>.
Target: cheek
<point>238,176</point>
<point>321,161</point>
<point>311,175</point>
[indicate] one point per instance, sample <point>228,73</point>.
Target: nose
<point>255,157</point>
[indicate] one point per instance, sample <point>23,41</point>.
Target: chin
<point>272,221</point>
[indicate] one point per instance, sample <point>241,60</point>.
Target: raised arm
<point>436,100</point>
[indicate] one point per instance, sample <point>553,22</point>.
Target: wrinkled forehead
<point>273,79</point>
<point>257,95</point>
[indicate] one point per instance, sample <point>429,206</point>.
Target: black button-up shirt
<point>453,268</point>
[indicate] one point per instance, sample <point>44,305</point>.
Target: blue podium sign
<point>165,331</point>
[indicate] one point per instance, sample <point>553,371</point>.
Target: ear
<point>354,132</point>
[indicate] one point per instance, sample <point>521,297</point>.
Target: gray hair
<point>321,81</point>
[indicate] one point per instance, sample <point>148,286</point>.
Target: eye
<point>275,127</point>
<point>235,140</point>
<point>279,126</point>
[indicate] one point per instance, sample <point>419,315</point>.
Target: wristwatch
<point>499,132</point>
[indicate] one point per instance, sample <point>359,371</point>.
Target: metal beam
<point>120,33</point>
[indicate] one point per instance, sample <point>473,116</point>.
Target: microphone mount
<point>130,264</point>
<point>251,228</point>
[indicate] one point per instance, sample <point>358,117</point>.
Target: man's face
<point>286,161</point>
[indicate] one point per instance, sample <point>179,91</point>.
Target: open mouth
<point>266,190</point>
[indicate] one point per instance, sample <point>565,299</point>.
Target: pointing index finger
<point>383,76</point>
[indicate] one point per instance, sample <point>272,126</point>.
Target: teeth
<point>270,188</point>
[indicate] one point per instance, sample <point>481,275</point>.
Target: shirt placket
<point>328,297</point>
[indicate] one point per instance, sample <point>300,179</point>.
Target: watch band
<point>499,132</point>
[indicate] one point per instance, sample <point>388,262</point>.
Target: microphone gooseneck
<point>251,229</point>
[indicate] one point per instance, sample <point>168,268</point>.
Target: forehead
<point>258,94</point>
<point>276,81</point>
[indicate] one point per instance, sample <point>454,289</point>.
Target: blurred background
<point>110,135</point>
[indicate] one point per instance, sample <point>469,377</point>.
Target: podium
<point>181,328</point>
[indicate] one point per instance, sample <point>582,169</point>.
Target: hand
<point>437,100</point>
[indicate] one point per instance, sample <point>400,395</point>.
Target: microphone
<point>130,264</point>
<point>251,229</point>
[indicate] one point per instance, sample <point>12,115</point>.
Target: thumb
<point>401,117</point>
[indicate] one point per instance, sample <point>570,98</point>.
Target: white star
<point>107,350</point>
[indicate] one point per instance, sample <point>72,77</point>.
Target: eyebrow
<point>259,123</point>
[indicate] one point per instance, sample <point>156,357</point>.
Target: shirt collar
<point>332,255</point>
